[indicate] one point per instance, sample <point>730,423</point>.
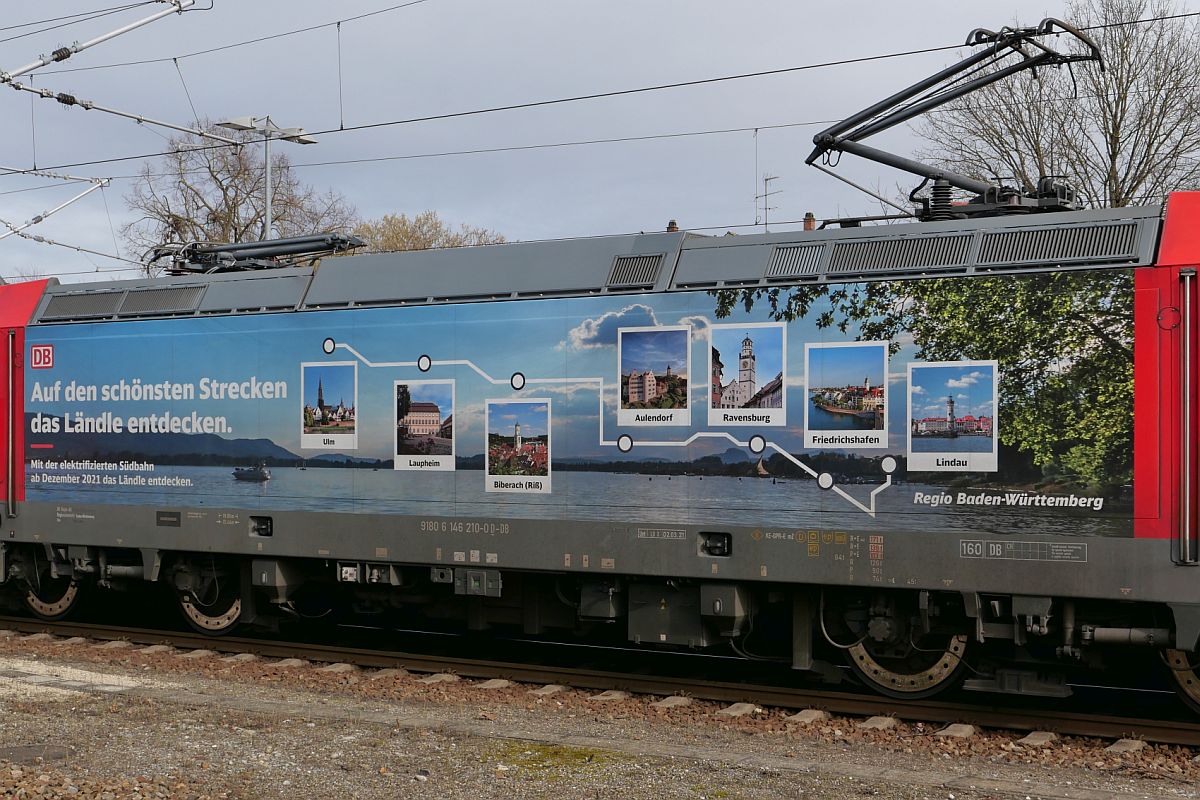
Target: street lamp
<point>270,131</point>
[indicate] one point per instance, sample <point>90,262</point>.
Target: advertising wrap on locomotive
<point>990,418</point>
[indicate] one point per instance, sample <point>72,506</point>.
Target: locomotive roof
<point>652,262</point>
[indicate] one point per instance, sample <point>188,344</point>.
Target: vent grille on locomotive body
<point>655,262</point>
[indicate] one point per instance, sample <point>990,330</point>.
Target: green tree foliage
<point>423,231</point>
<point>1064,343</point>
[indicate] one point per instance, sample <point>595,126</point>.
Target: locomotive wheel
<point>52,598</point>
<point>915,674</point>
<point>1184,669</point>
<point>217,617</point>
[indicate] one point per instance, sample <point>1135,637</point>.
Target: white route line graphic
<point>462,362</point>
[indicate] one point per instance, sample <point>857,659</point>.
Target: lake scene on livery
<point>657,499</point>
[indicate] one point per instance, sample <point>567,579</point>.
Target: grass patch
<point>542,760</point>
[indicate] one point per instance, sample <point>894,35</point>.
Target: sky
<point>437,57</point>
<point>768,350</point>
<point>971,386</point>
<point>566,348</point>
<point>836,367</point>
<point>440,394</point>
<point>654,351</point>
<point>503,416</point>
<point>335,382</point>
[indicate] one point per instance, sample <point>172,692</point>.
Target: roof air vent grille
<point>794,261</point>
<point>900,255</point>
<point>84,305</point>
<point>629,271</point>
<point>156,302</point>
<point>1113,241</point>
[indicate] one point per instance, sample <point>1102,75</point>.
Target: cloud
<point>918,390</point>
<point>699,324</point>
<point>969,379</point>
<point>602,331</point>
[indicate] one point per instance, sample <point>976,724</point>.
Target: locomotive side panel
<point>858,443</point>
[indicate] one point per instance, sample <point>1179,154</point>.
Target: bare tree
<point>420,232</point>
<point>1127,134</point>
<point>202,192</point>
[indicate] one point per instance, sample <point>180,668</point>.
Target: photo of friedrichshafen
<point>518,438</point>
<point>654,368</point>
<point>424,419</point>
<point>847,388</point>
<point>754,354</point>
<point>329,398</point>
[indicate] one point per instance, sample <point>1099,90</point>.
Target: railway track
<point>835,702</point>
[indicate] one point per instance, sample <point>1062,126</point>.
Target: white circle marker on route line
<point>757,444</point>
<point>517,381</point>
<point>624,442</point>
<point>328,346</point>
<point>424,363</point>
<point>888,465</point>
<point>825,480</point>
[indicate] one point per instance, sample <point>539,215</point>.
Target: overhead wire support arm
<point>16,229</point>
<point>976,71</point>
<point>87,105</point>
<point>63,53</point>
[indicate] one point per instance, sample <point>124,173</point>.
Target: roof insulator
<point>61,54</point>
<point>66,99</point>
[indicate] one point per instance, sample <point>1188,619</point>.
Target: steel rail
<point>837,702</point>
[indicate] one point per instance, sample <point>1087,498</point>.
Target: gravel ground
<point>113,722</point>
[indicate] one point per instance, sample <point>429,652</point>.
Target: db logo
<point>41,356</point>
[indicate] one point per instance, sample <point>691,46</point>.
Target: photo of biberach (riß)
<point>518,446</point>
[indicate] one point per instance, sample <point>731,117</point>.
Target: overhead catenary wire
<point>614,93</point>
<point>243,43</point>
<point>63,53</point>
<point>75,19</point>
<point>17,229</point>
<point>572,99</point>
<point>186,93</point>
<point>332,23</point>
<point>76,15</point>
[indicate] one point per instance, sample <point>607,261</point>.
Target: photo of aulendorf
<point>654,364</point>
<point>753,355</point>
<point>952,416</point>
<point>329,398</point>
<point>847,394</point>
<point>518,446</point>
<point>424,425</point>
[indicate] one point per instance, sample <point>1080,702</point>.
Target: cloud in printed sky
<point>699,324</point>
<point>602,331</point>
<point>970,379</point>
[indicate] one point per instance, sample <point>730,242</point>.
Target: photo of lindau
<point>952,408</point>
